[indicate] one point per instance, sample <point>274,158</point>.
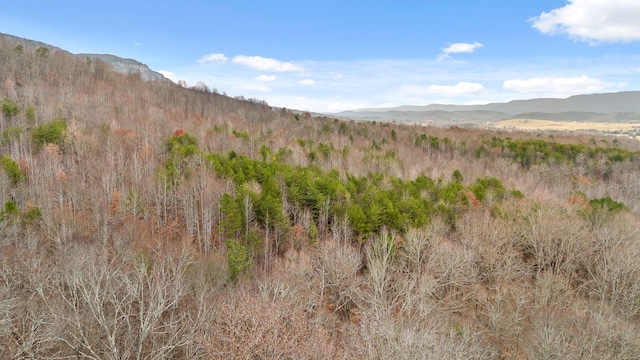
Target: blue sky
<point>330,55</point>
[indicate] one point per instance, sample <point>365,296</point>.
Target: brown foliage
<point>100,275</point>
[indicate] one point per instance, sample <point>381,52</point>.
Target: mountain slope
<point>176,223</point>
<point>121,65</point>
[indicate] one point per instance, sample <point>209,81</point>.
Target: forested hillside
<point>147,220</point>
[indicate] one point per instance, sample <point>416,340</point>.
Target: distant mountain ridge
<point>617,106</point>
<point>624,101</point>
<point>121,65</point>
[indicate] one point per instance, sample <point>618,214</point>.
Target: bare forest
<point>146,220</point>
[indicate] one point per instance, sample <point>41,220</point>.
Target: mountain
<point>622,105</point>
<point>30,44</point>
<point>425,117</point>
<point>121,65</point>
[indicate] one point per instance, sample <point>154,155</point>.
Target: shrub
<point>13,170</point>
<point>240,134</point>
<point>238,259</point>
<point>30,113</point>
<point>607,203</point>
<point>517,194</point>
<point>10,134</point>
<point>32,215</point>
<point>457,176</point>
<point>9,108</point>
<point>52,132</point>
<point>488,186</point>
<point>10,209</point>
<point>182,143</point>
<point>42,52</point>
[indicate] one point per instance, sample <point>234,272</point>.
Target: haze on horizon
<point>333,55</point>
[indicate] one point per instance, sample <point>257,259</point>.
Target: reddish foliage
<point>61,176</point>
<point>474,200</point>
<point>24,165</point>
<point>115,202</point>
<point>145,152</point>
<point>581,179</point>
<point>298,236</point>
<point>128,133</point>
<point>578,201</point>
<point>52,150</point>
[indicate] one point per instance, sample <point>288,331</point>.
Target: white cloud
<point>266,78</point>
<point>459,48</point>
<point>213,58</point>
<point>266,64</point>
<point>558,86</point>
<point>168,74</point>
<point>306,82</point>
<point>462,48</point>
<point>593,20</point>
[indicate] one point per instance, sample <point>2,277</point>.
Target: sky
<point>334,55</point>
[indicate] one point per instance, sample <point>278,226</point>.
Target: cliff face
<point>127,66</point>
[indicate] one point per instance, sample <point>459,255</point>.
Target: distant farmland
<point>627,129</point>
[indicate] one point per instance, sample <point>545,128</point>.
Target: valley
<point>626,129</point>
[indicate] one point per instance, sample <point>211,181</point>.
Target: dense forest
<point>147,220</point>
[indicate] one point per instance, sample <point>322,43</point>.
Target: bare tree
<point>139,309</point>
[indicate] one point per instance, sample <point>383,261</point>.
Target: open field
<point>550,125</point>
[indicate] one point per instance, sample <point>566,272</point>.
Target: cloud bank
<point>213,58</point>
<point>327,86</point>
<point>560,86</point>
<point>267,64</point>
<point>306,82</point>
<point>593,21</point>
<point>457,48</point>
<point>266,78</point>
